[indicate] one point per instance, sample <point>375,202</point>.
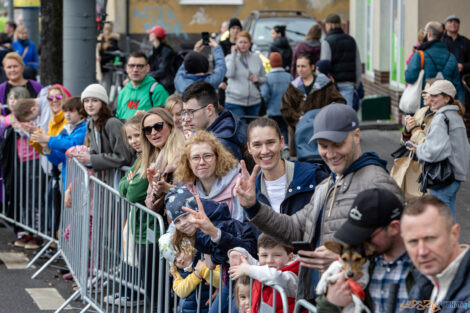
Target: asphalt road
<point>17,288</point>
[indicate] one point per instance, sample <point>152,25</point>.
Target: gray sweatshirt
<point>240,90</point>
<point>442,143</point>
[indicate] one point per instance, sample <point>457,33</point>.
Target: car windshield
<point>296,29</point>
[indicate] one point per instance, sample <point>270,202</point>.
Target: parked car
<point>260,22</point>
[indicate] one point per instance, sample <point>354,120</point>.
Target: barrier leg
<point>70,299</point>
<point>38,255</point>
<point>45,265</point>
<point>86,308</point>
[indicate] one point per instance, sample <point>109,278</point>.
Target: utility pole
<point>11,10</point>
<point>79,36</point>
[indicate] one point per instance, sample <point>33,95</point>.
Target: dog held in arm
<point>353,259</point>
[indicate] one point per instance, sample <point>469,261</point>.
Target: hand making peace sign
<point>245,189</point>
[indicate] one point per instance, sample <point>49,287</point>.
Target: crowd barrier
<point>299,304</point>
<point>109,245</point>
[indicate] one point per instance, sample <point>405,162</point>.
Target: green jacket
<point>132,99</point>
<point>135,191</point>
<point>324,306</point>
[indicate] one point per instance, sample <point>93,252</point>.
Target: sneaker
<point>67,276</point>
<point>21,242</point>
<point>33,244</point>
<point>117,299</point>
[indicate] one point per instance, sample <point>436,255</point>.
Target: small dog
<point>352,260</point>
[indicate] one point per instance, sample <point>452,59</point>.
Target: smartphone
<point>301,245</point>
<point>205,38</point>
<point>159,176</point>
<point>408,145</point>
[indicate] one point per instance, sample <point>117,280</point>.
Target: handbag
<point>410,100</point>
<point>437,173</point>
<point>405,172</point>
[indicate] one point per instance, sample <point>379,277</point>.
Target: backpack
<point>307,151</point>
<point>151,90</point>
<point>439,72</point>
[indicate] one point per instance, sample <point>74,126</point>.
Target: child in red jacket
<point>276,267</point>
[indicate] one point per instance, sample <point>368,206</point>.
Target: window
<point>212,2</point>
<point>369,35</point>
<point>397,58</point>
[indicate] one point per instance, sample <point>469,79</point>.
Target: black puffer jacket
<point>281,45</point>
<point>161,66</point>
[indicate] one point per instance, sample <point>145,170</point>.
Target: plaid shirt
<point>385,275</point>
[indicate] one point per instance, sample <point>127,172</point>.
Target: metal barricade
<point>299,304</point>
<point>31,194</point>
<point>129,275</point>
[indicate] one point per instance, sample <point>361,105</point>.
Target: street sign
<point>27,3</point>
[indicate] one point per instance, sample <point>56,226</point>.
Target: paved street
<point>18,293</point>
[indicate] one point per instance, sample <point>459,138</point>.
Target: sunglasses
<point>157,127</point>
<point>57,97</point>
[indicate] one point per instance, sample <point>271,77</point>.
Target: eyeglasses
<point>57,97</point>
<point>208,157</point>
<point>138,66</point>
<point>157,127</point>
<point>190,113</point>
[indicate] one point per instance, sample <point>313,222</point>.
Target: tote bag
<point>410,100</point>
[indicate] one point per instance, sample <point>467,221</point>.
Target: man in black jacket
<point>341,50</point>
<point>458,45</point>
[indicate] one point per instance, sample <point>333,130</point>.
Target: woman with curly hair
<point>210,171</point>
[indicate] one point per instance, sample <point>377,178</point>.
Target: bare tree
<point>51,42</point>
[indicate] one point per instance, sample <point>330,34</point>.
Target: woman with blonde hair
<point>210,171</point>
<point>26,49</point>
<point>161,143</point>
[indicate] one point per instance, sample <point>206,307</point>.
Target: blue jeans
<point>244,111</point>
<point>347,91</point>
<point>448,195</point>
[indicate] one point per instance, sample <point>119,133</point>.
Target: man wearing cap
<point>375,217</point>
<point>142,92</point>
<point>341,50</point>
<point>196,67</point>
<point>162,58</point>
<point>458,45</point>
<point>338,135</point>
<point>432,240</point>
<point>438,61</point>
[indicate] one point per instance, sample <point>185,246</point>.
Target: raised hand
<point>200,220</point>
<point>245,189</point>
<point>237,271</point>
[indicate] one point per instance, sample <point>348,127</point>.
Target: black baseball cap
<point>334,122</point>
<point>372,209</point>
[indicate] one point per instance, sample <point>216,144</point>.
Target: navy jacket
<point>189,304</point>
<point>230,132</point>
<point>459,290</point>
<point>234,233</point>
<point>301,188</point>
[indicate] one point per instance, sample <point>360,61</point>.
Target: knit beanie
<point>324,66</point>
<point>275,59</point>
<point>95,91</point>
<point>234,22</point>
<point>64,90</point>
<point>176,198</point>
<point>195,63</point>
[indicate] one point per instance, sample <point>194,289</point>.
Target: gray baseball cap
<point>334,122</point>
<point>452,17</point>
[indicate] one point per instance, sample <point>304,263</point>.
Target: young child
<point>276,266</point>
<point>72,134</point>
<point>186,278</point>
<point>242,294</point>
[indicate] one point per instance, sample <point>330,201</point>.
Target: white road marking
<point>47,298</point>
<point>14,260</point>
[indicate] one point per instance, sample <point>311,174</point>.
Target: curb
<point>380,125</point>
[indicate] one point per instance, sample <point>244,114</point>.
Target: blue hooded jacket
<point>230,132</point>
<point>436,58</point>
<point>62,142</point>
<point>300,190</point>
<point>183,80</point>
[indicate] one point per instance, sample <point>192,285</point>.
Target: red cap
<point>158,31</point>
<point>65,90</point>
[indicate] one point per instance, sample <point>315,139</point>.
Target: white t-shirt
<point>276,192</point>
